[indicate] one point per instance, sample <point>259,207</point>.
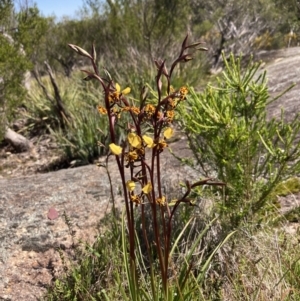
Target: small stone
<point>52,214</point>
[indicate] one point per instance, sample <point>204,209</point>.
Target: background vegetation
<point>129,34</point>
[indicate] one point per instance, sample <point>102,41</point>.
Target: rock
<point>52,214</point>
<point>282,72</point>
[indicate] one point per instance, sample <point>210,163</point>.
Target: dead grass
<point>264,266</point>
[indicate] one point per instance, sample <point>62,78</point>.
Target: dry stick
<point>19,142</point>
<point>45,91</point>
<point>64,115</point>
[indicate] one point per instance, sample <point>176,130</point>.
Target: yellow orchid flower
<point>114,96</point>
<point>161,201</point>
<point>147,188</point>
<point>124,92</point>
<point>115,149</point>
<point>149,141</point>
<point>130,185</point>
<point>118,88</point>
<point>102,110</point>
<point>134,140</point>
<point>168,133</point>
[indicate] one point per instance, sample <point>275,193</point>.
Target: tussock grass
<point>263,266</point>
<point>258,265</point>
<point>82,136</point>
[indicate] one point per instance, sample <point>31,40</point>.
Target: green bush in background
<point>13,64</point>
<point>233,140</point>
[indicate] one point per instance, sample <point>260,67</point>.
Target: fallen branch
<point>19,142</point>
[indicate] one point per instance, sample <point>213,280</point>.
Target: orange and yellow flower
<point>102,110</point>
<point>171,104</point>
<point>161,201</point>
<point>131,156</point>
<point>162,144</point>
<point>170,115</point>
<point>135,110</point>
<point>149,109</point>
<point>135,199</point>
<point>183,92</point>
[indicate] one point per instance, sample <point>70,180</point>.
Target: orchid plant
<point>142,185</point>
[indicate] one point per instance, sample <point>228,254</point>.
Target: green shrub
<point>233,140</point>
<point>12,91</point>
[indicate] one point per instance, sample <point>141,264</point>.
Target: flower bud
<point>80,51</point>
